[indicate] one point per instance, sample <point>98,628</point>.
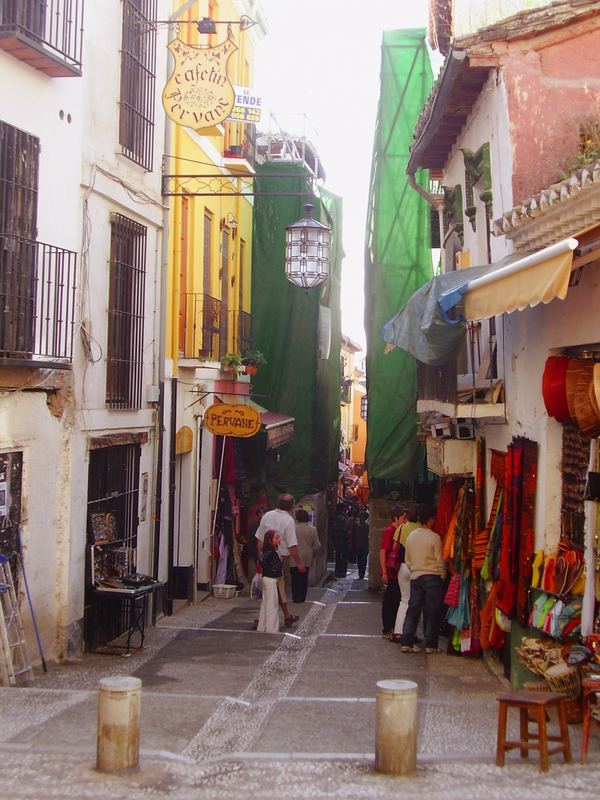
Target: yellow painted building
<point>207,183</point>
<point>353,426</point>
<point>210,223</point>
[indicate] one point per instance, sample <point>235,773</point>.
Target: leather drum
<point>584,411</point>
<point>554,387</point>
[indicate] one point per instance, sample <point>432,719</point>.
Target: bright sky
<point>321,58</point>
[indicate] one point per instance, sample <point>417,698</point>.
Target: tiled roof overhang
<point>466,70</point>
<point>563,209</point>
<point>447,109</point>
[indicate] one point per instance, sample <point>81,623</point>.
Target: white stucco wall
<point>488,122</point>
<point>530,337</point>
<point>83,179</point>
<point>26,425</point>
<point>525,339</point>
<point>51,110</point>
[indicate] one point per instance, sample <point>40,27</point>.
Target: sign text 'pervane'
<point>227,419</point>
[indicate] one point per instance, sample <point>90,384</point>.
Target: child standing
<point>272,569</point>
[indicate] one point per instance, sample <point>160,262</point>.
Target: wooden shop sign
<point>227,419</point>
<point>199,94</point>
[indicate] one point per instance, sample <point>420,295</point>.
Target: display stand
<point>122,610</point>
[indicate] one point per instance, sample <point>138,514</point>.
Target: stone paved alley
<point>229,713</point>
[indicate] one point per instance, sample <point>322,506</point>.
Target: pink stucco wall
<point>551,90</point>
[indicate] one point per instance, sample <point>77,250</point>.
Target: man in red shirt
<point>389,572</point>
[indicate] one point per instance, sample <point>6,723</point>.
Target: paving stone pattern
<point>231,713</point>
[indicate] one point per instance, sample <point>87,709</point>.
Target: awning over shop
<point>278,427</point>
<point>423,328</point>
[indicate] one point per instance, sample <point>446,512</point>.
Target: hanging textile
<point>482,537</point>
<point>480,485</point>
<point>492,636</point>
<point>460,615</point>
<point>475,647</point>
<point>520,478</point>
<point>446,505</point>
<point>463,537</point>
<point>527,531</point>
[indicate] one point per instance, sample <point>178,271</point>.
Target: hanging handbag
<point>256,587</point>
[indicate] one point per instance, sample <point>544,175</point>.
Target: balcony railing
<point>437,383</point>
<point>242,144</point>
<point>205,328</point>
<point>469,385</point>
<point>242,331</point>
<point>37,302</point>
<point>46,34</point>
<point>199,326</point>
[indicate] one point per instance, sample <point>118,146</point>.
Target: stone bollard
<point>118,743</point>
<point>396,727</point>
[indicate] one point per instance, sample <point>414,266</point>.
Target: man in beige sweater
<point>427,572</point>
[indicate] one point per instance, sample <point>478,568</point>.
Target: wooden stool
<point>590,687</point>
<point>532,706</point>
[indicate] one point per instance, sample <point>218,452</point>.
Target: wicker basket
<point>566,682</point>
<point>224,591</point>
<point>573,708</point>
<point>536,686</point>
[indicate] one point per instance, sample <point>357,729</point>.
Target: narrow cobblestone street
<point>227,712</point>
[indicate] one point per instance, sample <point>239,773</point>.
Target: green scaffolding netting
<point>287,321</point>
<point>398,256</point>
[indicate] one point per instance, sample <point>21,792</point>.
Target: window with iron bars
<point>138,67</point>
<point>113,487</point>
<point>19,171</point>
<point>125,345</point>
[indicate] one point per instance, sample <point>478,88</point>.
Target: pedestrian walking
<point>280,519</point>
<point>308,546</point>
<point>361,542</point>
<point>272,570</point>
<point>339,536</point>
<point>400,536</point>
<point>389,572</point>
<point>427,573</point>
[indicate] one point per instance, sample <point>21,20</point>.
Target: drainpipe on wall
<point>423,192</point>
<point>172,482</point>
<point>159,474</point>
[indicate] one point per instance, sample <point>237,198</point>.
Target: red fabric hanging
<point>520,478</point>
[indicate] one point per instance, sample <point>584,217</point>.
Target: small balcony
<point>205,327</point>
<point>239,154</point>
<point>200,329</point>
<point>467,387</point>
<point>242,332</point>
<point>46,34</point>
<point>37,303</point>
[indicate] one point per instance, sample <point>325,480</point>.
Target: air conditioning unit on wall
<point>451,456</point>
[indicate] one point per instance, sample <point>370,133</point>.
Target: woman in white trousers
<point>404,584</point>
<point>268,619</point>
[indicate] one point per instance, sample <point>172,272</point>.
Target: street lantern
<point>364,404</point>
<point>307,251</point>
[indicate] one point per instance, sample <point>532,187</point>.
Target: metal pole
<point>214,520</point>
<point>33,619</point>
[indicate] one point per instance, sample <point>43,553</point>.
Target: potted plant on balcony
<point>252,361</point>
<point>231,362</point>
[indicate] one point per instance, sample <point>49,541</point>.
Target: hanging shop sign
<point>282,434</point>
<point>227,419</point>
<point>247,106</point>
<point>199,94</point>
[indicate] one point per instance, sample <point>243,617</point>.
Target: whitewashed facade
<point>60,414</point>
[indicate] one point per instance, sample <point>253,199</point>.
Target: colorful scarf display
<point>520,479</point>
